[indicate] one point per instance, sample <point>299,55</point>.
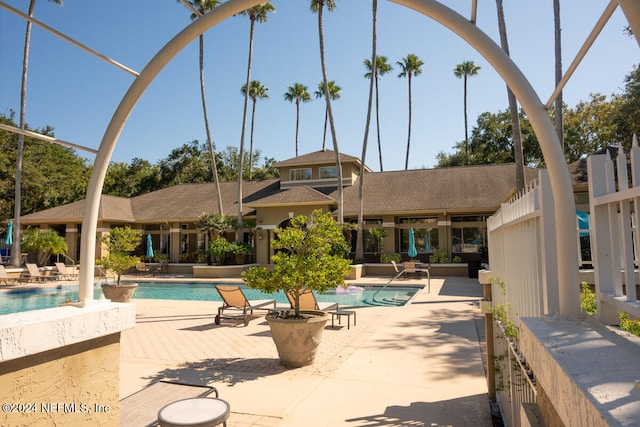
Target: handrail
<point>405,270</point>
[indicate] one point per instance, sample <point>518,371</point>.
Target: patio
<point>421,364</point>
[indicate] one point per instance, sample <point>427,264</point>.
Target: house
<point>446,207</point>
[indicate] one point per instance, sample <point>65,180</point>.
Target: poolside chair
<point>308,302</point>
<point>234,299</point>
<point>64,273</point>
<point>33,274</point>
<point>410,265</point>
<point>4,277</point>
<point>162,268</point>
<point>141,267</point>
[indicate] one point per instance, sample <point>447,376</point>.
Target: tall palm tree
<point>256,91</point>
<point>373,63</point>
<point>381,68</point>
<point>16,255</point>
<point>255,13</point>
<point>334,91</point>
<point>317,6</point>
<point>297,93</point>
<point>558,56</point>
<point>463,71</point>
<point>518,155</point>
<point>204,6</point>
<point>411,66</point>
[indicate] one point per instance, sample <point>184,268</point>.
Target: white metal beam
<point>42,137</point>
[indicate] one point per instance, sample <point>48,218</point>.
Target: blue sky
<point>77,93</point>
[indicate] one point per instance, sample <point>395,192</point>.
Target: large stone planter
<point>297,340</point>
<point>119,293</point>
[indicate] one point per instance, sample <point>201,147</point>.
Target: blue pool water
<point>17,300</point>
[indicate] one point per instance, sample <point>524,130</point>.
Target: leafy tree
<point>334,92</point>
<point>129,180</point>
<point>463,71</point>
<point>185,164</point>
<point>382,68</point>
<point>43,243</point>
<point>297,93</point>
<point>411,66</point>
<point>121,242</point>
<point>627,109</point>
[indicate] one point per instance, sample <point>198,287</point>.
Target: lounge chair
<point>408,265</point>
<point>141,268</point>
<point>162,268</point>
<point>64,273</point>
<point>4,277</point>
<point>308,302</point>
<point>234,299</point>
<point>33,274</point>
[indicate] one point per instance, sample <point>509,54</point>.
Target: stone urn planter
<point>297,339</point>
<point>119,293</point>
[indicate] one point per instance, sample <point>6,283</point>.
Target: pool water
<point>18,300</point>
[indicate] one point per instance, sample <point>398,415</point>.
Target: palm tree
<point>256,91</point>
<point>381,68</point>
<point>334,91</point>
<point>317,6</point>
<point>203,6</point>
<point>373,63</point>
<point>558,56</point>
<point>297,93</point>
<point>16,255</point>
<point>256,13</point>
<point>518,155</point>
<point>410,66</point>
<point>463,71</point>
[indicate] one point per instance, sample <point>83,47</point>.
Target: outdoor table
<point>195,412</point>
<point>340,313</point>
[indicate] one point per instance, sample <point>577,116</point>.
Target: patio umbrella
<point>427,244</point>
<point>583,223</point>
<point>149,247</point>
<point>412,245</point>
<point>8,240</point>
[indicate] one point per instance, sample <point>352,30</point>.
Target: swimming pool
<point>16,300</point>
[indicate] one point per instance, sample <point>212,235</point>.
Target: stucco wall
<point>74,385</point>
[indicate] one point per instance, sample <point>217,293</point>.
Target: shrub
<point>439,256</point>
<point>587,299</point>
<point>387,258</point>
<point>629,325</point>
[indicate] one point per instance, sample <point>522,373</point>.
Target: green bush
<point>629,325</point>
<point>387,258</point>
<point>439,256</point>
<point>218,248</point>
<point>587,299</point>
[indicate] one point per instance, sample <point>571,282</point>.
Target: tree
<point>185,164</point>
<point>204,6</point>
<point>513,105</point>
<point>256,91</point>
<point>297,93</point>
<point>130,180</point>
<point>334,92</point>
<point>16,252</point>
<point>463,71</point>
<point>256,13</point>
<point>121,241</point>
<point>411,66</point>
<point>381,68</point>
<point>628,107</point>
<point>317,6</point>
<point>214,223</point>
<point>43,243</point>
<point>558,70</point>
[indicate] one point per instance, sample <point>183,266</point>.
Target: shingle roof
<point>317,157</point>
<point>470,188</point>
<point>294,196</point>
<point>111,208</point>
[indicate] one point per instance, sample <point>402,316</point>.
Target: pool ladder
<point>404,271</point>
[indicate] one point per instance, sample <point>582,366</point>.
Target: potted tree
<point>121,241</point>
<point>308,258</point>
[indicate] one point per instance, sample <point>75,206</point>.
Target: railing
<point>404,271</point>
<point>615,208</point>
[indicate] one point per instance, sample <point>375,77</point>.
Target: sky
<point>77,93</point>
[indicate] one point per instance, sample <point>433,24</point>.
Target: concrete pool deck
<point>419,365</point>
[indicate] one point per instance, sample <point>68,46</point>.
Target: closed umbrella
<point>427,244</point>
<point>8,240</point>
<point>412,245</point>
<point>149,247</point>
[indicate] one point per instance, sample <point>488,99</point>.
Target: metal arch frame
<point>560,181</point>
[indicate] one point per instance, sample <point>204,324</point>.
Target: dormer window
<point>301,174</point>
<point>327,172</point>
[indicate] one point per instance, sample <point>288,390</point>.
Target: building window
<point>425,233</point>
<point>302,174</point>
<point>469,234</point>
<point>327,172</point>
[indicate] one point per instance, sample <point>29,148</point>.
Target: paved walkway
<point>417,365</point>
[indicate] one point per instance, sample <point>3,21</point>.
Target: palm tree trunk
<point>360,238</point>
<point>324,135</point>
<point>239,229</point>
<point>297,123</point>
<point>466,132</point>
<point>16,254</point>
<point>378,119</point>
<point>558,55</point>
<point>253,116</point>
<point>513,107</point>
<point>212,153</point>
<point>406,162</point>
<point>327,97</point>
